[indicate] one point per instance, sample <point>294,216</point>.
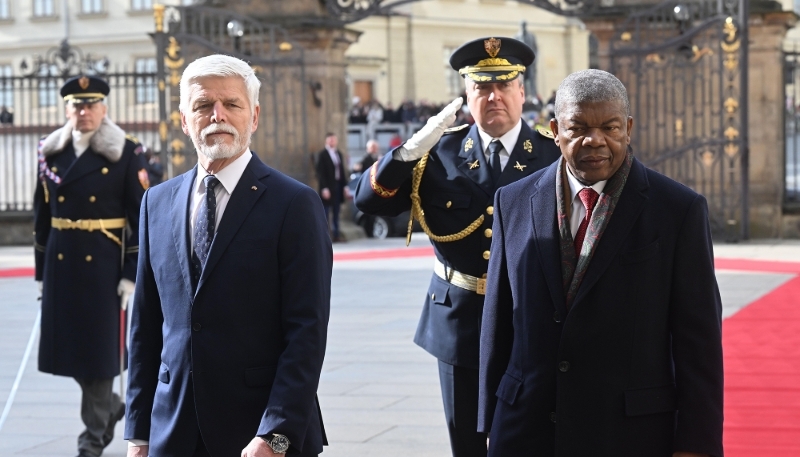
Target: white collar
<point>576,186</point>
<point>509,139</point>
<point>228,176</point>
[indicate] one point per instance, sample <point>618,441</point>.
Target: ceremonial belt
<point>458,279</point>
<point>103,225</point>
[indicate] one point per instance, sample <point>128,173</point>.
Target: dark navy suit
<point>634,368</point>
<point>455,190</point>
<point>242,355</point>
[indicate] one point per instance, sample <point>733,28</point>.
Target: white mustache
<point>218,128</point>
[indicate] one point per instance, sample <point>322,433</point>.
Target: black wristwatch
<point>277,442</point>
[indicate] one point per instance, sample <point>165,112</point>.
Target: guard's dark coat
<point>635,367</point>
<point>81,270</point>
<point>456,189</point>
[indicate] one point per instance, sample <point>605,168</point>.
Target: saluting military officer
<point>447,177</point>
<point>86,209</point>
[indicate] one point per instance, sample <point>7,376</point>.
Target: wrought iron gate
<point>34,108</point>
<point>685,67</point>
<point>185,33</point>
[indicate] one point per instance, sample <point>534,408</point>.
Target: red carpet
<point>762,368</point>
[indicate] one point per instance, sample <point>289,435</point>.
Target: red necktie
<point>589,198</point>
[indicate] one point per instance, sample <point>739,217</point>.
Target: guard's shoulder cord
<point>418,214</point>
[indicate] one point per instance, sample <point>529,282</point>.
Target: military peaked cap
<point>85,89</point>
<point>492,59</point>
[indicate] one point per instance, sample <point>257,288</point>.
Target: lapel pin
<point>520,167</point>
<point>254,188</point>
<point>474,165</point>
<point>528,146</point>
<point>468,144</point>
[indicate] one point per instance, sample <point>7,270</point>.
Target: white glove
<point>422,141</point>
<point>125,290</point>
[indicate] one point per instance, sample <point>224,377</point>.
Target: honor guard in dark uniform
<point>447,178</point>
<point>86,215</point>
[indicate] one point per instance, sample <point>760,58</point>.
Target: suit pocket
<point>508,388</point>
<point>259,376</point>
<point>163,373</point>
<point>438,291</point>
<point>650,400</point>
<point>641,254</point>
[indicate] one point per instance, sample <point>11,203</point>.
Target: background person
<point>231,309</point>
<point>461,172</point>
<point>601,331</point>
<point>91,181</point>
<point>332,180</point>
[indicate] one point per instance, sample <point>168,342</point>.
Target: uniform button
<point>92,199</point>
<point>60,198</point>
<point>449,204</point>
<point>553,417</point>
<point>104,170</point>
<point>487,233</point>
<point>490,210</point>
<point>88,258</point>
<point>60,256</point>
<point>557,317</point>
<point>54,169</point>
<point>486,255</point>
<point>433,296</point>
<point>563,366</point>
<point>196,326</point>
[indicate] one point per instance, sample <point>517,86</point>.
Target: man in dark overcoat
<point>332,182</point>
<point>86,210</point>
<point>602,325</point>
<point>447,178</point>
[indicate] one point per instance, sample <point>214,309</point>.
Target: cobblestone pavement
<point>379,392</point>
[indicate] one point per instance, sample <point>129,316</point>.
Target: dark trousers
<point>460,397</point>
<point>333,206</point>
<point>101,409</point>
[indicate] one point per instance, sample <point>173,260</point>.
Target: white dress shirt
<point>578,210</point>
<point>509,140</point>
<point>335,158</point>
<point>228,178</point>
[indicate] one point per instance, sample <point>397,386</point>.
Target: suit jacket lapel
<point>85,164</point>
<point>545,231</point>
<point>519,160</point>
<point>181,198</point>
<point>244,196</point>
<point>630,205</point>
<point>474,163</point>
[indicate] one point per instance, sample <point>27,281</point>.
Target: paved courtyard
<point>379,392</point>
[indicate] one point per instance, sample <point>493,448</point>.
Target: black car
<point>381,226</point>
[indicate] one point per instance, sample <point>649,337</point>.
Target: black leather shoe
<point>108,435</point>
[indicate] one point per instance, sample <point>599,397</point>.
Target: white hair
<point>222,66</point>
<point>589,86</point>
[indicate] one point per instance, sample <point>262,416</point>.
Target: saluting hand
<point>259,448</point>
<point>422,141</point>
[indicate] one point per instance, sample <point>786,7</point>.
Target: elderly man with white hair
<point>231,308</point>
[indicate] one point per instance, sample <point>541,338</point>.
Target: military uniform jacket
<point>81,269</point>
<point>455,191</point>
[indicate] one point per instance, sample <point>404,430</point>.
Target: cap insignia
<point>83,82</point>
<point>492,46</point>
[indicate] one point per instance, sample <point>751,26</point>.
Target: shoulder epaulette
<point>132,138</point>
<point>545,132</point>
<point>457,128</point>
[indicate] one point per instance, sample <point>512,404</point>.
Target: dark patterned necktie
<point>204,226</point>
<point>589,198</point>
<point>494,160</point>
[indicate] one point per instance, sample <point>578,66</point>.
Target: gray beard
<point>220,150</point>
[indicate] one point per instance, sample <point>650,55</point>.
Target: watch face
<point>279,443</point>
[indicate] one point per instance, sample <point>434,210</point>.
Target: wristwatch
<point>277,442</point>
